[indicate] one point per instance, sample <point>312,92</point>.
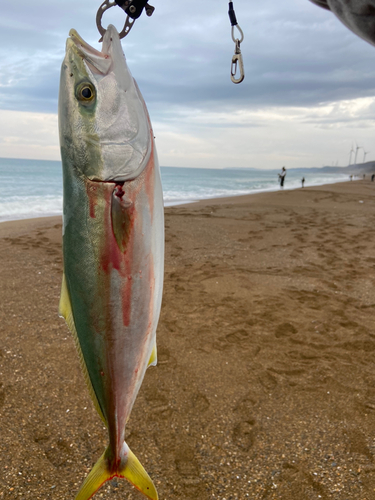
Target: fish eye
<point>85,93</point>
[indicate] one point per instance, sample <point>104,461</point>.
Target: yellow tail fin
<point>133,472</point>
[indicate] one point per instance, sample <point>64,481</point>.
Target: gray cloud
<point>295,54</point>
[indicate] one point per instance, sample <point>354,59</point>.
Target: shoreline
<point>183,203</point>
<point>265,381</point>
<point>268,190</point>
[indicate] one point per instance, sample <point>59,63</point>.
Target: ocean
<point>33,188</point>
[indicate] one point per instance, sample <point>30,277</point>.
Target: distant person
<point>364,176</point>
<point>351,177</point>
<point>303,181</point>
<point>282,176</point>
<point>372,177</point>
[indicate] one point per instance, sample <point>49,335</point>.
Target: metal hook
<point>107,4</point>
<point>237,60</point>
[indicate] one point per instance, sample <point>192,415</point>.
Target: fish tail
<point>133,471</point>
<point>137,476</point>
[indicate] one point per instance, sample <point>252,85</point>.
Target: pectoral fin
<point>66,312</point>
<point>121,217</point>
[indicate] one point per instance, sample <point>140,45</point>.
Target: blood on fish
<point>119,191</point>
<point>111,255</point>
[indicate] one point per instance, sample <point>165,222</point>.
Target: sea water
<point>33,188</point>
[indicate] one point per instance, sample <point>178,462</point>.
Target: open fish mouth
<point>99,62</point>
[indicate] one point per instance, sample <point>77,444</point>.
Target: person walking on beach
<point>282,177</point>
<point>303,182</point>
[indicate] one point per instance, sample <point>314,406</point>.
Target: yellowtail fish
<point>357,15</point>
<point>113,241</point>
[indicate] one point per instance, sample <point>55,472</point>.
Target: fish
<point>113,241</point>
<point>356,15</point>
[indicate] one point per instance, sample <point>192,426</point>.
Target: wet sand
<point>265,387</point>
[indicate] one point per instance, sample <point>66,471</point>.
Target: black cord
<point>232,14</point>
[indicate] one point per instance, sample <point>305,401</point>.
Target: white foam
<point>26,186</point>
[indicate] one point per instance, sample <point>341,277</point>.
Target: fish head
<point>105,131</point>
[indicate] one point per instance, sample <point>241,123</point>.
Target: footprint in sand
<point>165,359</point>
<point>158,403</point>
<point>285,330</point>
<point>238,338</point>
<point>189,472</point>
<point>41,437</point>
<point>185,462</point>
<point>58,453</point>
<point>200,403</point>
<point>297,482</point>
<point>245,406</point>
<point>357,443</point>
<point>244,434</point>
<point>268,381</point>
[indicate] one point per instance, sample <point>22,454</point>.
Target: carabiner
<point>237,59</point>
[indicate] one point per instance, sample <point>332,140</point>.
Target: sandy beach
<point>265,387</point>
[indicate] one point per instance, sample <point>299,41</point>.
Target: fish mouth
<point>99,62</point>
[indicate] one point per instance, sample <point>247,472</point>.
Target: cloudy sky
<point>308,95</point>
